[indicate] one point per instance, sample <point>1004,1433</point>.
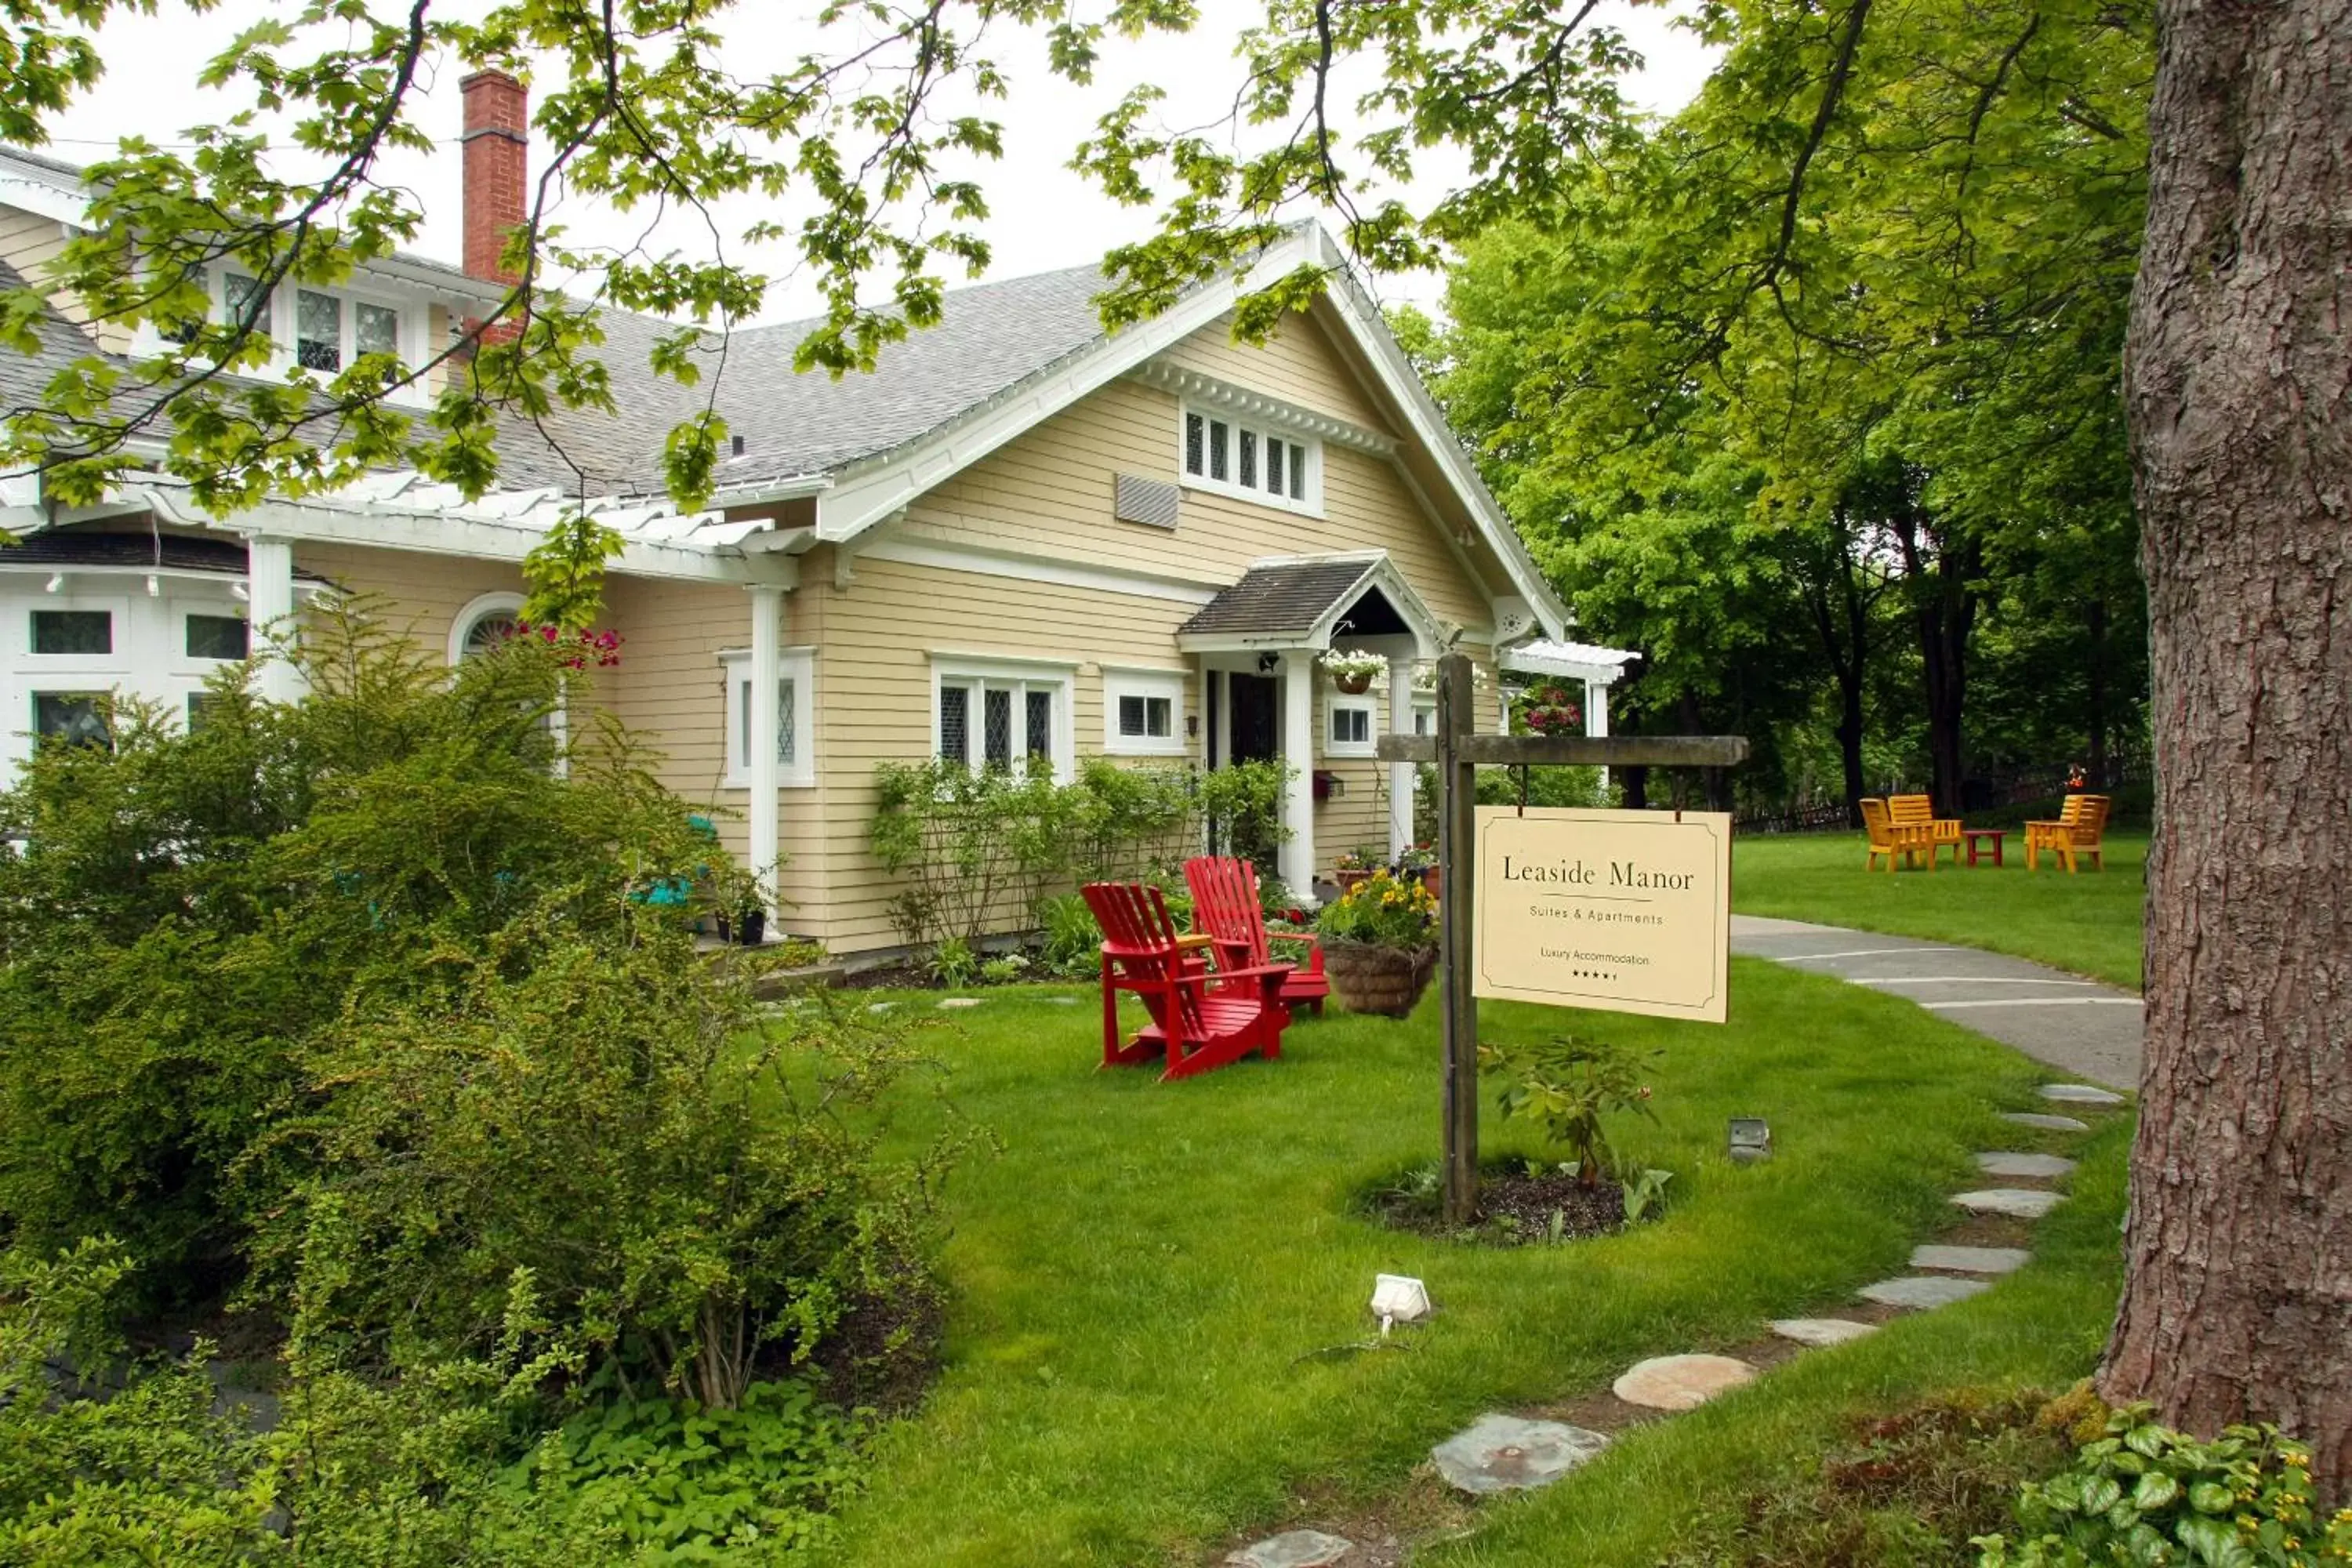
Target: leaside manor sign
<point>1628,910</point>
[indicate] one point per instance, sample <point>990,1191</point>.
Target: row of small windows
<point>1226,453</point>
<point>991,723</point>
<point>329,328</point>
<point>89,634</point>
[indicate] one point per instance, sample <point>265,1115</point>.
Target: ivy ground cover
<point>1144,1275</point>
<point>2088,923</point>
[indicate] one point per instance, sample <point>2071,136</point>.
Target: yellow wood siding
<point>1298,364</point>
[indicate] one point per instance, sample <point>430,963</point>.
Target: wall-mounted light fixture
<point>1267,661</point>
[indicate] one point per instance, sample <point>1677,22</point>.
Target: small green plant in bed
<point>2142,1493</point>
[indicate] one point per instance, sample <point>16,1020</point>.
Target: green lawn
<point>2088,923</point>
<point>1137,1275</point>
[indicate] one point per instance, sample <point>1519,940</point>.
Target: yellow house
<point>1020,537</point>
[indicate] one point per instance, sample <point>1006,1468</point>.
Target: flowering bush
<point>2145,1493</point>
<point>1550,707</point>
<point>1384,912</point>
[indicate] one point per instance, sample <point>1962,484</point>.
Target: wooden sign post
<point>1457,750</point>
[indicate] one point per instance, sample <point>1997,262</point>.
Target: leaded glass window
<point>375,329</point>
<point>242,294</point>
<point>1041,724</point>
<point>955,723</point>
<point>1274,450</point>
<point>71,718</point>
<point>1298,472</point>
<point>318,330</point>
<point>1217,440</point>
<point>1249,459</point>
<point>82,632</point>
<point>1195,439</point>
<point>217,636</point>
<point>996,741</point>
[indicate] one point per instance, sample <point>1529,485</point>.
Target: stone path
<point>2096,1036</point>
<point>2078,1025</point>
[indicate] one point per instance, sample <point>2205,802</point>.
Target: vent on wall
<point>1144,500</point>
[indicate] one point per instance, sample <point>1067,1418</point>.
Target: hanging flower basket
<point>1370,978</point>
<point>1353,672</point>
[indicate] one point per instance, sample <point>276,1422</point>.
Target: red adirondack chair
<point>1225,906</point>
<point>1201,1018</point>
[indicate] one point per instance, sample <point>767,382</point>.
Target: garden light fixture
<point>1399,1299</point>
<point>1752,1139</point>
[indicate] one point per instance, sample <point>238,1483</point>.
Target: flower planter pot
<point>1431,878</point>
<point>1354,685</point>
<point>1349,879</point>
<point>1383,979</point>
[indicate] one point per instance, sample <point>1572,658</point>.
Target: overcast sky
<point>1043,216</point>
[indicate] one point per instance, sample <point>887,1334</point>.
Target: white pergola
<point>1598,668</point>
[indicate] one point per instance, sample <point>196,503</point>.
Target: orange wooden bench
<point>2080,829</point>
<point>1918,811</point>
<point>1896,841</point>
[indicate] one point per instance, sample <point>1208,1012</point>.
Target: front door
<point>1254,728</point>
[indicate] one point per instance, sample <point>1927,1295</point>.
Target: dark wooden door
<point>1254,727</point>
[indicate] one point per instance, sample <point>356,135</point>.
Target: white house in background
<point>1020,538</point>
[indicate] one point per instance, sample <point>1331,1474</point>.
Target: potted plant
<point>1353,672</point>
<point>1380,944</point>
<point>1551,708</point>
<point>1353,867</point>
<point>1419,863</point>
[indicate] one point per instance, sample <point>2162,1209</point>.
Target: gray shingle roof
<point>1270,601</point>
<point>171,551</point>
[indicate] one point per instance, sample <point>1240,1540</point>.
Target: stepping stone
<point>879,1006</point>
<point>1072,1001</point>
<point>1680,1382</point>
<point>1923,1291</point>
<point>960,1001</point>
<point>1293,1548</point>
<point>2007,1162</point>
<point>1499,1453</point>
<point>2017,1202</point>
<point>1822,1331</point>
<point>2047,1123</point>
<point>2080,1094</point>
<point>1971,1260</point>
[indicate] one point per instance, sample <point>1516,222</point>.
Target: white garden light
<point>1399,1299</point>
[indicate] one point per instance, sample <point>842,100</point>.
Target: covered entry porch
<point>1265,695</point>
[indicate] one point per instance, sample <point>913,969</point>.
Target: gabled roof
<point>1308,601</point>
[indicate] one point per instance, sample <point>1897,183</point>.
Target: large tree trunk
<point>1944,608</point>
<point>2239,381</point>
<point>1844,631</point>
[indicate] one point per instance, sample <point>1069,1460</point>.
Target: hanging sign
<point>1626,911</point>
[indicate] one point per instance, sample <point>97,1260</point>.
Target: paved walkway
<point>2078,1025</point>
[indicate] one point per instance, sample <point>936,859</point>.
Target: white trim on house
<point>1261,409</point>
<point>795,668</point>
<point>978,673</point>
<point>1160,694</point>
<point>1429,634</point>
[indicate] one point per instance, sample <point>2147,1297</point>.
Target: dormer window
<point>1251,461</point>
<point>331,328</point>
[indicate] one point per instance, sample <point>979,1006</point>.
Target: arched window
<point>483,624</point>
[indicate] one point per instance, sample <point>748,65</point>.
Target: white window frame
<point>474,611</point>
<point>1022,675</point>
<point>1309,504</point>
<point>49,666</point>
<point>1424,716</point>
<point>796,667</point>
<point>1336,702</point>
<point>181,607</point>
<point>284,329</point>
<point>1149,684</point>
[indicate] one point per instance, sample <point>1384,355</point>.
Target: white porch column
<point>270,605</point>
<point>1402,775</point>
<point>767,672</point>
<point>1298,796</point>
<point>1596,718</point>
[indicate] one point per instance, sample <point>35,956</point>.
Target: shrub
<point>1567,1085</point>
<point>976,847</point>
<point>1072,942</point>
<point>182,912</point>
<point>1129,823</point>
<point>1382,911</point>
<point>2142,1493</point>
<point>1242,806</point>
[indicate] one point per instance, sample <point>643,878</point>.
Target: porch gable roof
<point>1299,602</point>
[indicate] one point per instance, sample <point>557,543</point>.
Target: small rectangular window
<point>71,718</point>
<point>73,631</point>
<point>318,329</point>
<point>1249,459</point>
<point>1352,726</point>
<point>1298,472</point>
<point>241,295</point>
<point>955,723</point>
<point>1274,450</point>
<point>199,704</point>
<point>1195,438</point>
<point>786,705</point>
<point>375,329</point>
<point>217,636</point>
<point>1146,717</point>
<point>1217,433</point>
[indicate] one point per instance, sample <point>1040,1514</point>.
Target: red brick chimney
<point>497,147</point>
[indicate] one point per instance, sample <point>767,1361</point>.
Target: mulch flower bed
<point>1515,1209</point>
